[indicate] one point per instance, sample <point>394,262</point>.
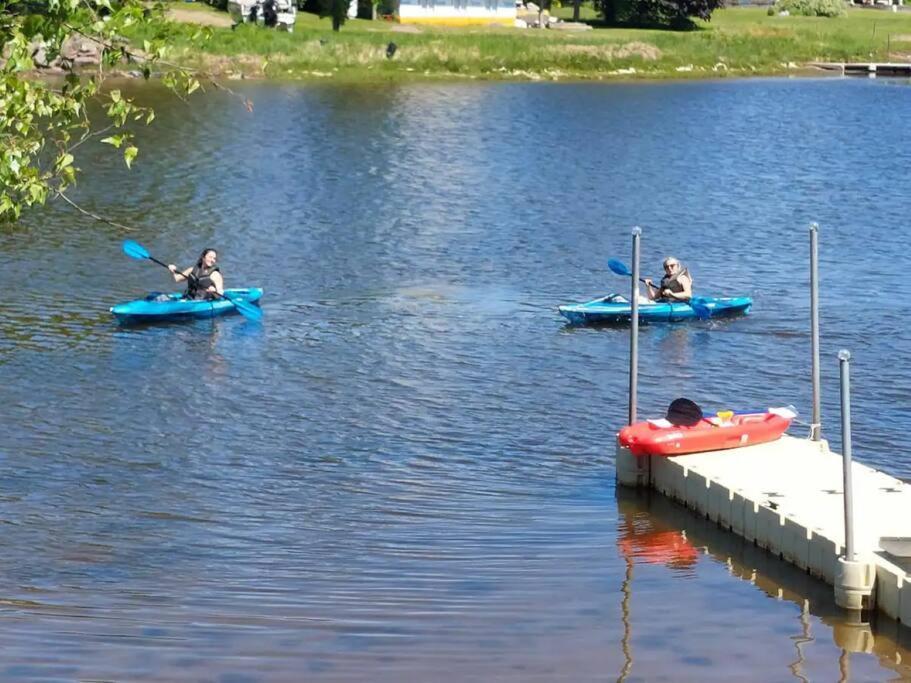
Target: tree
<point>671,13</point>
<point>337,9</point>
<point>43,122</point>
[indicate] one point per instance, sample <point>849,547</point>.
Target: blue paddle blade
<point>135,250</point>
<point>619,267</point>
<point>245,308</point>
<point>703,312</point>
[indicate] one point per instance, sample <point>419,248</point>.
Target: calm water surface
<point>405,472</point>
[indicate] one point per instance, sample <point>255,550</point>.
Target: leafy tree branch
<point>43,123</point>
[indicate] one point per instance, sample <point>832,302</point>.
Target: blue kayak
<point>616,309</point>
<point>156,308</point>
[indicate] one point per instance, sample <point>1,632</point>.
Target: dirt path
<point>205,18</point>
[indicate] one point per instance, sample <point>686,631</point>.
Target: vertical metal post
<point>634,328</point>
<point>844,360</point>
<point>816,423</point>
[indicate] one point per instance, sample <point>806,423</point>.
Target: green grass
<point>738,41</point>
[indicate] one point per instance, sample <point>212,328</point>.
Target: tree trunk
<point>576,4</point>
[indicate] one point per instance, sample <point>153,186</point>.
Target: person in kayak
<point>204,280</point>
<point>676,285</point>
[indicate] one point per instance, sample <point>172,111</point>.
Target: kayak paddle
<point>702,311</point>
<point>619,267</point>
<point>139,252</point>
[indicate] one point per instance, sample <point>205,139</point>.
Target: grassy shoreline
<point>737,42</point>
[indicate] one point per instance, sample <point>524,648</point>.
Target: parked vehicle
<point>271,13</point>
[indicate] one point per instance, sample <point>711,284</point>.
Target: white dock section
<point>787,497</point>
<point>869,69</point>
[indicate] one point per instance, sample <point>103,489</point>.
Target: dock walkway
<point>787,497</point>
<point>866,68</point>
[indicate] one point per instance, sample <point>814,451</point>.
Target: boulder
<point>80,51</point>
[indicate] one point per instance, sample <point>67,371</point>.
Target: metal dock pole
<point>844,362</point>
<point>632,470</point>
<point>816,423</point>
<point>855,580</point>
<point>634,328</point>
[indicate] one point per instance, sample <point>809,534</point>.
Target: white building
<point>457,12</point>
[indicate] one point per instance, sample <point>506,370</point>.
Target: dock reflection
<point>653,529</point>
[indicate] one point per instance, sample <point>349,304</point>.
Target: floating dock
<point>841,521</point>
<point>787,497</point>
<point>869,69</point>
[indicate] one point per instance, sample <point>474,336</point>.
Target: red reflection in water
<point>655,545</point>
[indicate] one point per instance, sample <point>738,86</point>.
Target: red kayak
<point>726,430</point>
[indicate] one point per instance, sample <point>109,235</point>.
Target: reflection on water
<point>405,469</point>
<point>656,530</point>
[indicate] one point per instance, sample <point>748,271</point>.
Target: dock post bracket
<point>854,584</point>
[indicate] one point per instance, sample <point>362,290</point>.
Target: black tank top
<point>199,281</point>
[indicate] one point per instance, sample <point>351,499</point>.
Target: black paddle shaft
<point>165,265</point>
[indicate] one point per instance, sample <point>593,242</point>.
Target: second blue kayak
<point>617,309</point>
<point>175,306</point>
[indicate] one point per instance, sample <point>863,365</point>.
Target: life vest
<point>672,283</point>
<point>199,281</point>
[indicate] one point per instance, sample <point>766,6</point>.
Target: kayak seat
<point>683,412</point>
<point>620,299</point>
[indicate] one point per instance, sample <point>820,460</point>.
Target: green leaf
<point>115,140</point>
<point>69,176</point>
<point>63,161</point>
<point>129,154</point>
<point>37,192</point>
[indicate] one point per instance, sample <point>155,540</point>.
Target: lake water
<point>405,473</point>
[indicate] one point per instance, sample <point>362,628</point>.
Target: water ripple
<point>407,468</point>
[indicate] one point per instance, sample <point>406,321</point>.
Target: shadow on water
<point>655,530</point>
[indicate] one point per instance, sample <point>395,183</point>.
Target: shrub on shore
<point>810,8</point>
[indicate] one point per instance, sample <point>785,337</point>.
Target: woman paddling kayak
<point>204,280</point>
<point>676,285</point>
